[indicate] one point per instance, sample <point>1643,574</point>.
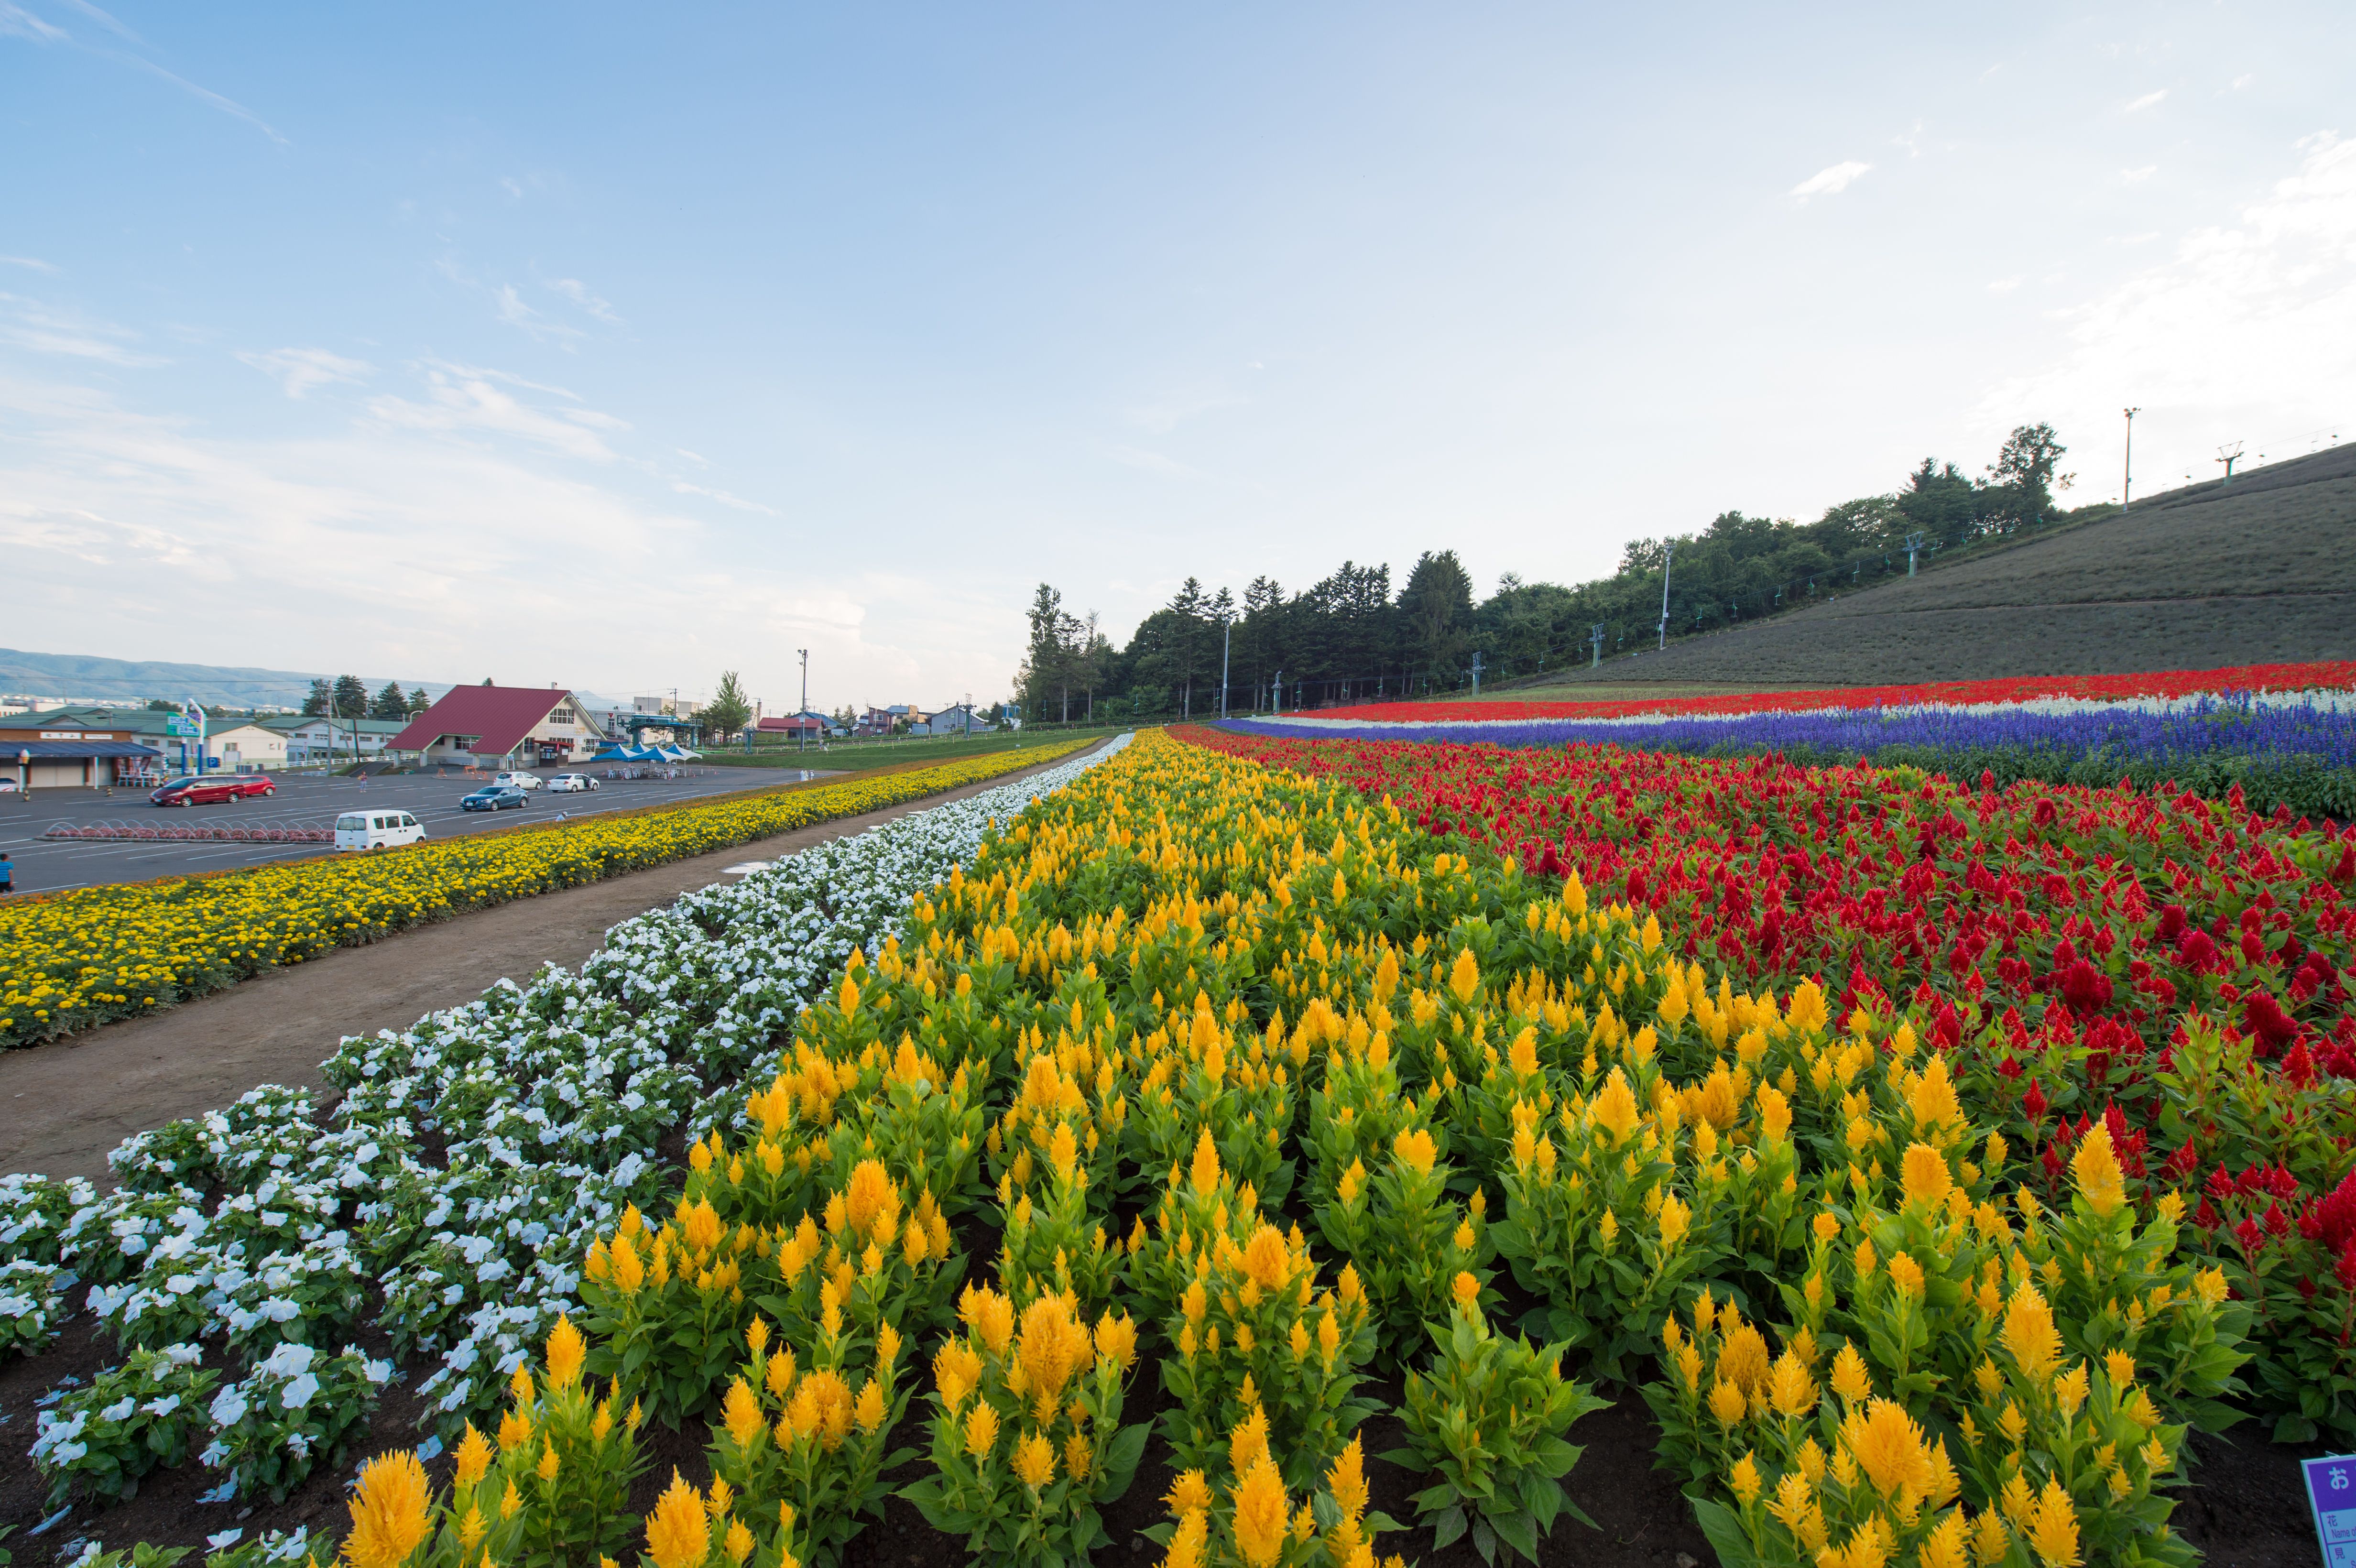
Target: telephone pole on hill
<point>2127,478</point>
<point>1667,558</point>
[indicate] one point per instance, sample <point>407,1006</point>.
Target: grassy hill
<point>2262,572</point>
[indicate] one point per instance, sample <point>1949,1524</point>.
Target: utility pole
<point>2127,478</point>
<point>1595,634</point>
<point>1913,543</point>
<point>802,737</point>
<point>1226,641</point>
<point>2229,454</point>
<point>1668,557</point>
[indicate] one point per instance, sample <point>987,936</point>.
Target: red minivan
<point>207,789</point>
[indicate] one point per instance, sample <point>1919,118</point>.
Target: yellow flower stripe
<point>82,958</point>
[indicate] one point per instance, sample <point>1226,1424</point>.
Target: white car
<point>377,830</point>
<point>516,781</point>
<point>571,784</point>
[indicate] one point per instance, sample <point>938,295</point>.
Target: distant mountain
<point>82,677</point>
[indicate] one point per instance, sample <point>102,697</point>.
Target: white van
<point>377,830</point>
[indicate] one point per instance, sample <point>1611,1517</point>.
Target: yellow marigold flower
<point>1260,1515</point>
<point>1850,1380</point>
<point>390,1508</point>
<point>1190,1493</point>
<point>981,1430</point>
<point>1922,1172</point>
<point>1744,1479</point>
<point>1615,1107</point>
<point>566,1350</point>
<point>2101,1183</point>
<point>1675,1217</point>
<point>2055,1529</point>
<point>677,1534</point>
<point>2029,1334</point>
<point>1035,1461</point>
<point>1417,1148</point>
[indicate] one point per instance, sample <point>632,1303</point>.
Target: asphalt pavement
<point>52,865</point>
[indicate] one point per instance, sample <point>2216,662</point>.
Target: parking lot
<point>305,801</point>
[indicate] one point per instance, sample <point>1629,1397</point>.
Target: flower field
<point>1931,1161</point>
<point>2160,684</point>
<point>76,959</point>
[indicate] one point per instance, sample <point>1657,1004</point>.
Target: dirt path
<point>64,1105</point>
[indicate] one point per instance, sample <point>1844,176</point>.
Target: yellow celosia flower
<point>2100,1180</point>
<point>1615,1107</point>
<point>1890,1448</point>
<point>1035,1461</point>
<point>870,1409</point>
<point>741,1413</point>
<point>1190,1493</point>
<point>981,1430</point>
<point>1991,1542</point>
<point>1672,1220</point>
<point>566,1351</point>
<point>1346,1480</point>
<point>1464,978</point>
<point>2054,1531</point>
<point>1726,1402</point>
<point>1260,1515</point>
<point>473,1457</point>
<point>1206,1164</point>
<point>2029,1334</point>
<point>1465,1289</point>
<point>1923,1174</point>
<point>389,1512</point>
<point>1267,1260</point>
<point>1790,1388</point>
<point>1948,1546</point>
<point>1418,1149</point>
<point>1744,1481</point>
<point>1850,1380</point>
<point>677,1534</point>
<point>1906,1275</point>
<point>1934,1101</point>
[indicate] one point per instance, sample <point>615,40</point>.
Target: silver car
<point>571,784</point>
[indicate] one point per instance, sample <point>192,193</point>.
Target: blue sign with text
<point>2331,1493</point>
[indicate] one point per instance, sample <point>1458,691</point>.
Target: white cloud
<point>19,23</point>
<point>34,263</point>
<point>515,312</point>
<point>1831,181</point>
<point>1152,462</point>
<point>2248,328</point>
<point>2137,177</point>
<point>31,324</point>
<point>681,486</point>
<point>2146,238</point>
<point>2004,285</point>
<point>691,457</point>
<point>2243,81</point>
<point>2146,102</point>
<point>578,293</point>
<point>470,405</point>
<point>1167,412</point>
<point>300,369</point>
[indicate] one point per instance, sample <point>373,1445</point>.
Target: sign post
<point>2331,1497</point>
<point>187,725</point>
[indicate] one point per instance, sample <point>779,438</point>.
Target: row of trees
<point>1351,638</point>
<point>347,696</point>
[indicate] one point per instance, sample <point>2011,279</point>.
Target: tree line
<point>347,696</point>
<point>1350,637</point>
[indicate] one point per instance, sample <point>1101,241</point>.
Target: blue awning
<point>72,750</point>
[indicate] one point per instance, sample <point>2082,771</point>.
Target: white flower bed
<point>472,1157</point>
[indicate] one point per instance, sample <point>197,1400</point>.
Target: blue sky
<point>616,347</point>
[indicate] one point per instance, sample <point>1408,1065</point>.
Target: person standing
<point>7,873</point>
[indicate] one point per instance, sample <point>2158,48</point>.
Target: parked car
<point>571,784</point>
<point>493,797</point>
<point>517,780</point>
<point>8,786</point>
<point>377,830</point>
<point>209,789</point>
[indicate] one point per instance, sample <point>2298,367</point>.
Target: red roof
<point>499,717</point>
<point>790,721</point>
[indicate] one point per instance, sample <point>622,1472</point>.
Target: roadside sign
<point>179,727</point>
<point>2331,1496</point>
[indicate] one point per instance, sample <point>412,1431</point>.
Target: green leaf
<point>1517,1531</point>
<point>1447,1527</point>
<point>1725,1533</point>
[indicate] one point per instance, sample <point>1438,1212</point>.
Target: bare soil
<point>64,1105</point>
<point>2198,578</point>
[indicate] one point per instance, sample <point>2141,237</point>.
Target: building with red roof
<point>502,726</point>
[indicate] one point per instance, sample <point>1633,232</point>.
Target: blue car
<point>493,797</point>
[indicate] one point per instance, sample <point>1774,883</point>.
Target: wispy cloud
<point>579,293</point>
<point>517,314</point>
<point>682,488</point>
<point>2004,285</point>
<point>505,377</point>
<point>31,324</point>
<point>300,369</point>
<point>1152,462</point>
<point>34,262</point>
<point>15,22</point>
<point>2249,325</point>
<point>2137,177</point>
<point>1167,412</point>
<point>1831,181</point>
<point>18,22</point>
<point>2146,102</point>
<point>104,20</point>
<point>2243,81</point>
<point>474,406</point>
